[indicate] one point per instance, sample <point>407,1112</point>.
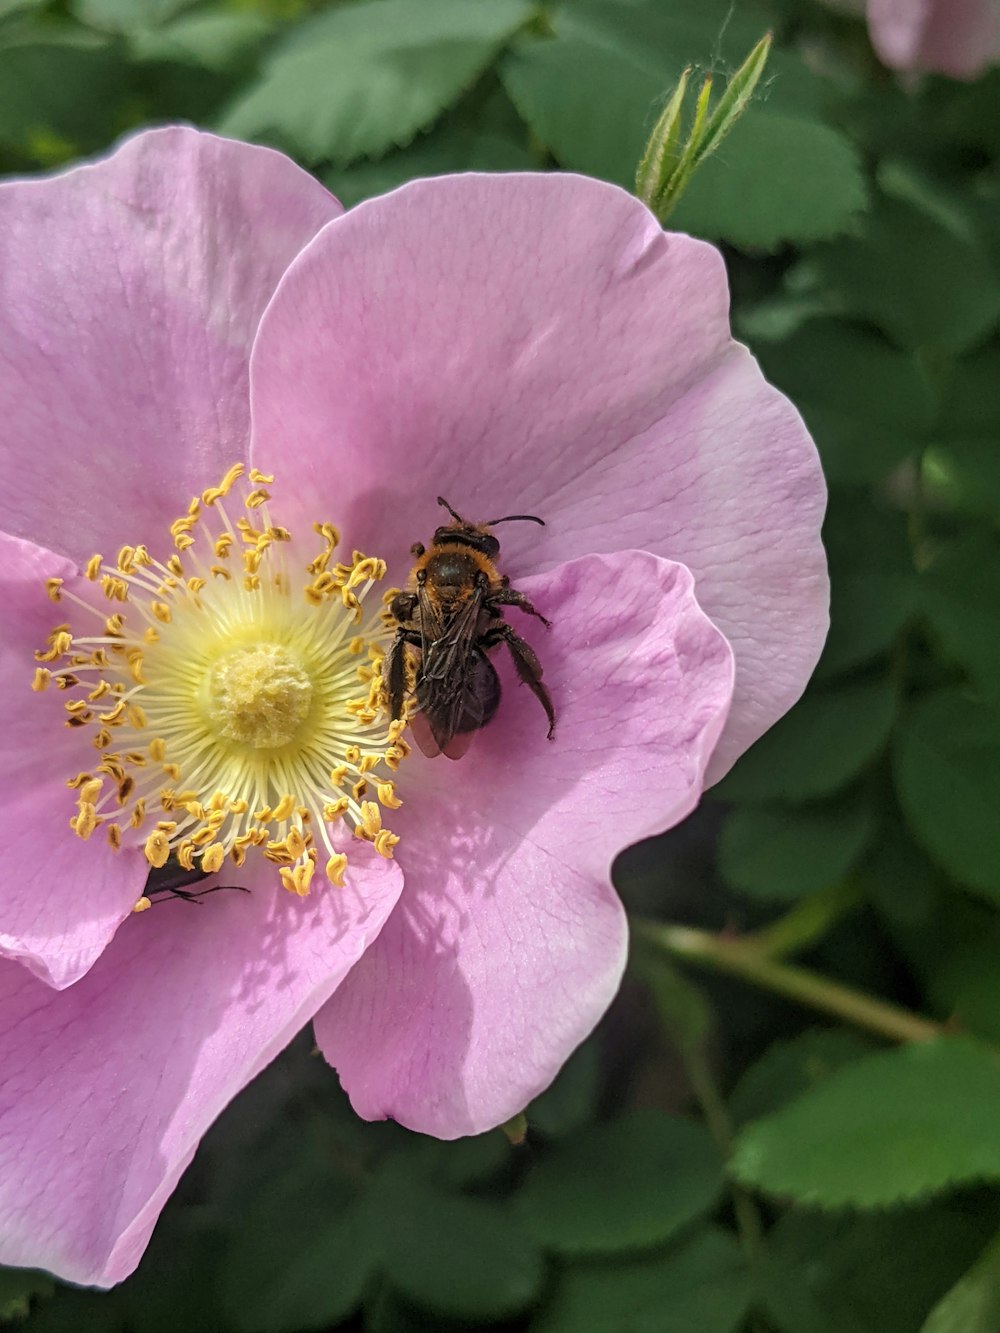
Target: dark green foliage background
<point>720,1156</point>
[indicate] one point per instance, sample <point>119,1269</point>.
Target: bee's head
<point>477,535</point>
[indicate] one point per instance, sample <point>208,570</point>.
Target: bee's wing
<point>444,689</point>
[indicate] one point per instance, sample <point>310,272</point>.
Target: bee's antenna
<point>516,518</point>
<point>457,517</point>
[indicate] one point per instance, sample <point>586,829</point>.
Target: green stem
<point>808,921</point>
<point>712,1103</point>
<point>745,958</point>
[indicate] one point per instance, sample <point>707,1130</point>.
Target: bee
<point>453,615</point>
<point>172,880</point>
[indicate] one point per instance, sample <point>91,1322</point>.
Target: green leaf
<point>926,286</point>
<point>779,854</point>
<point>779,178</point>
<point>817,748</point>
<point>566,1106</point>
<point>365,77</point>
<point>866,404</point>
<point>965,985</point>
<point>128,15</point>
<point>634,1182</point>
<point>947,766</point>
<point>891,1127</point>
<point>591,107</point>
<point>461,1257</point>
<point>973,1304</point>
<point>299,1258</point>
<point>961,595</point>
<point>60,95</point>
<point>864,1274</point>
<point>700,1285</point>
<point>447,148</point>
<point>789,1068</point>
<point>873,591</point>
<point>216,40</point>
<point>18,1288</point>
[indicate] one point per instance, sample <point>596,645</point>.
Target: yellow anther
<point>90,791</point>
<point>115,836</point>
<point>151,634</point>
<point>338,775</point>
<point>298,878</point>
<point>196,584</point>
<point>136,716</point>
<point>212,858</point>
<point>53,587</point>
<point>260,478</point>
<point>296,843</point>
<point>335,868</point>
<point>385,842</point>
<point>142,904</point>
<point>138,814</point>
<point>114,715</point>
<point>334,809</point>
<point>141,556</point>
<point>220,572</point>
<point>279,534</point>
<point>161,611</point>
<point>126,559</point>
<point>371,820</point>
<point>113,625</point>
<point>284,807</point>
<point>185,854</point>
<point>386,792</point>
<point>41,679</point>
<point>231,478</point>
<point>222,544</point>
<point>85,822</point>
<point>93,567</point>
<point>251,582</point>
<point>352,754</point>
<point>256,498</point>
<point>176,566</point>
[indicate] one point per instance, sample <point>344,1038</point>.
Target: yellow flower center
<point>235,694</point>
<point>258,695</point>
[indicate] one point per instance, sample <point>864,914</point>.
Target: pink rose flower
<point>207,689</point>
<point>959,38</point>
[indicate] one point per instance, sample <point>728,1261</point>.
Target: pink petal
<point>509,941</point>
<point>536,343</point>
<point>958,38</point>
<point>60,900</point>
<point>132,290</point>
<point>106,1088</point>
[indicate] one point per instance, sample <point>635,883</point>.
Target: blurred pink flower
<point>959,38</point>
<point>517,343</point>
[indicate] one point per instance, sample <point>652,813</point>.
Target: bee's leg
<point>526,664</point>
<point>508,596</point>
<point>395,674</point>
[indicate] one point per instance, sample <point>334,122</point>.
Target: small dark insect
<point>172,880</point>
<point>452,616</point>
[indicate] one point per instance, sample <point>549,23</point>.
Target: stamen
<point>230,704</point>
